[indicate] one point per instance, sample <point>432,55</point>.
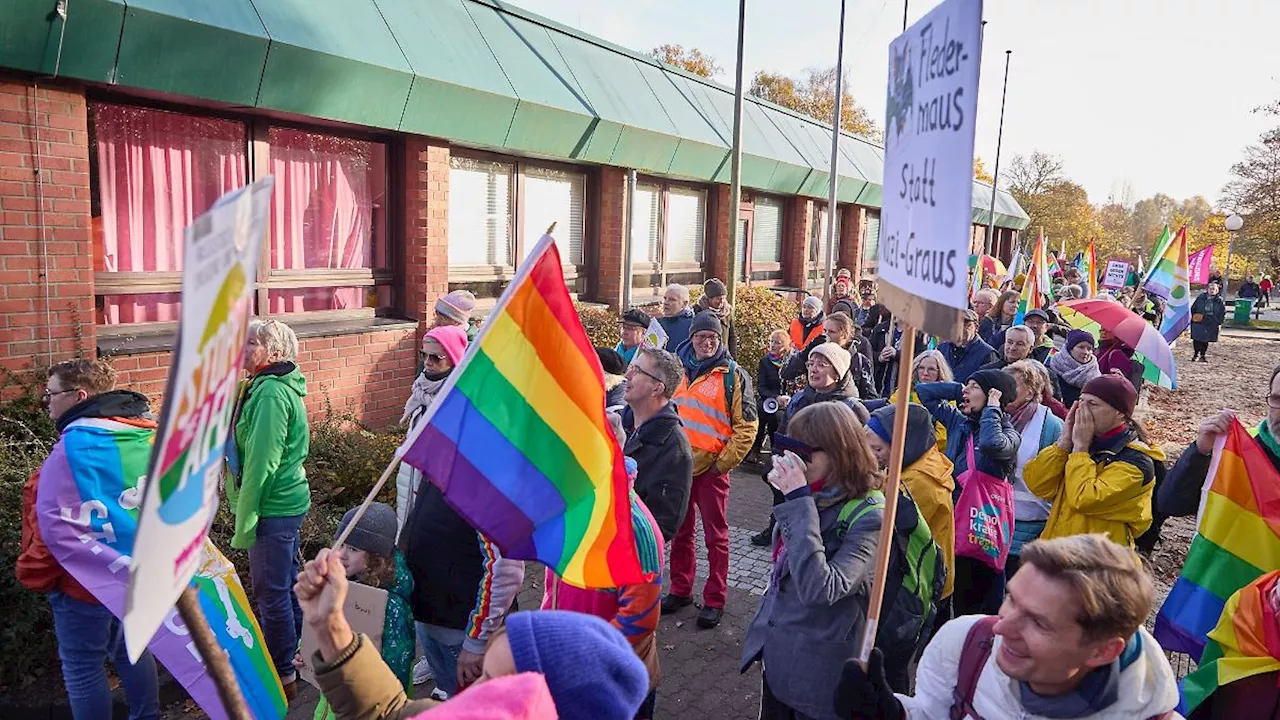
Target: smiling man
<point>1068,643</point>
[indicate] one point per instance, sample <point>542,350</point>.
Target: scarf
<point>775,360</point>
<point>1268,439</point>
<point>1072,371</point>
<point>1098,691</point>
<point>1024,415</point>
<point>425,388</point>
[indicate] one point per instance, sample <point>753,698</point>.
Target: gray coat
<point>811,618</point>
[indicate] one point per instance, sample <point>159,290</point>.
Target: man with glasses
<point>104,445</point>
<point>718,408</point>
<point>655,440</point>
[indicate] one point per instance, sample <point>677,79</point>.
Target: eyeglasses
<point>1273,402</point>
<point>433,357</point>
<point>706,338</point>
<point>48,395</point>
<point>646,373</point>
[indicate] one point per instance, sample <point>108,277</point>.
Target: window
<point>766,231</point>
<point>686,225</point>
<point>871,239</point>
<point>480,212</point>
<point>554,196</point>
<point>153,173</point>
<point>818,244</point>
<point>328,242</point>
<point>646,225</point>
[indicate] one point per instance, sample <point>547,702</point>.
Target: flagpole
<point>832,208</point>
<point>735,166</point>
<point>995,178</point>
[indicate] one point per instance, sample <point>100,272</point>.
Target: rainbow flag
<point>1161,247</point>
<point>1033,287</point>
<point>518,441</point>
<point>94,469</point>
<point>1237,540</point>
<point>1177,311</point>
<point>976,285</point>
<point>1163,274</point>
<point>1245,643</point>
<point>1089,268</point>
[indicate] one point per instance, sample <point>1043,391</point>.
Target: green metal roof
<point>476,72</point>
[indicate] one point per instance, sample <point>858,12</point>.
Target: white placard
<point>1116,275</point>
<point>926,218</point>
<point>655,338</point>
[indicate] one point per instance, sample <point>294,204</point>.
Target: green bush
<point>27,647</point>
<point>757,312</point>
<point>601,325</point>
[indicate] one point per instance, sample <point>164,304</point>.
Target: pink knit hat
<point>514,697</point>
<point>453,339</point>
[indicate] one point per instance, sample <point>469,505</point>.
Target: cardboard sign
<point>1116,274</point>
<point>926,220</point>
<point>220,253</point>
<point>366,610</point>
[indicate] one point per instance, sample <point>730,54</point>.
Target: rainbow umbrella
<point>991,266</point>
<point>1129,327</point>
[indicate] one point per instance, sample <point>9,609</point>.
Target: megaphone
<point>770,405</point>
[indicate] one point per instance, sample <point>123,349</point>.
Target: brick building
<point>418,146</point>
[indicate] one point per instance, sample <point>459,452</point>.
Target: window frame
<point>464,274</point>
<point>760,270</point>
<point>257,165</point>
<point>664,268</point>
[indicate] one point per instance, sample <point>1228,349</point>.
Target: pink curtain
<point>326,213</point>
<point>157,171</point>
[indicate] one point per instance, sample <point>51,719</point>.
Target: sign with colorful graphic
<point>655,338</point>
<point>220,252</point>
<point>87,510</point>
<point>926,218</point>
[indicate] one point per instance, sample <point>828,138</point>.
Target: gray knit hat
<point>376,531</point>
<point>714,288</point>
<point>706,321</point>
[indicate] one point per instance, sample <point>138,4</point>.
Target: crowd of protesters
<point>1048,625</point>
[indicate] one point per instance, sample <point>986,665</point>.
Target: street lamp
<point>1233,225</point>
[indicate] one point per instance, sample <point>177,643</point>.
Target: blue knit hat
<point>590,668</point>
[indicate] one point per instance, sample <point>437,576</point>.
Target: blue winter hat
<point>590,668</point>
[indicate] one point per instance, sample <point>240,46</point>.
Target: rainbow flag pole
<point>1091,268</point>
<point>1237,540</point>
<point>518,441</point>
<point>1033,287</point>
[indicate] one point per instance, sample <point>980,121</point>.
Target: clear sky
<point>1153,94</point>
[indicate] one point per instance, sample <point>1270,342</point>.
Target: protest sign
<point>926,218</point>
<point>366,611</point>
<point>655,338</point>
<point>1198,266</point>
<point>220,252</point>
<point>1116,274</point>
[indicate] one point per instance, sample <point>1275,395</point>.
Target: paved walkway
<point>700,678</point>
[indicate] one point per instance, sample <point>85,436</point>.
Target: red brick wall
<point>46,265</point>
<point>610,236</point>
<point>719,230</point>
<point>426,227</point>
<point>798,219</point>
<point>849,251</point>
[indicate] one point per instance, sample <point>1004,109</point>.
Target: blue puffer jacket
<point>968,359</point>
<point>996,451</point>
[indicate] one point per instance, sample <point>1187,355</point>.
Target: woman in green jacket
<point>267,484</point>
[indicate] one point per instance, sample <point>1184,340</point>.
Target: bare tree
<point>1035,174</point>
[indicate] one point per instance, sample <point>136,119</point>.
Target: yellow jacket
<point>1099,493</point>
<point>930,483</point>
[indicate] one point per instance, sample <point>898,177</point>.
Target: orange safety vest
<point>705,412</point>
<point>799,338</point>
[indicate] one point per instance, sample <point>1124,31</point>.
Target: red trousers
<point>710,496</point>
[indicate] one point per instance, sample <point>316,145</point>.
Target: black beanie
<point>1000,380</point>
<point>706,321</point>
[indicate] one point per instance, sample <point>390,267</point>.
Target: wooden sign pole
<point>906,356</point>
<point>215,658</point>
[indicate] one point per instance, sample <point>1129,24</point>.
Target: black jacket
<point>1213,311</point>
<point>967,359</point>
<point>443,553</point>
<point>885,374</point>
<point>664,466</point>
<point>768,379</point>
<point>1179,494</point>
<point>842,392</point>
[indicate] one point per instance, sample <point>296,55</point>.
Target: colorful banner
<point>220,253</point>
<point>655,338</point>
<point>1177,312</point>
<point>1034,286</point>
<point>1199,264</point>
<point>1090,270</point>
<point>1165,270</point>
<point>1244,644</point>
<point>86,507</point>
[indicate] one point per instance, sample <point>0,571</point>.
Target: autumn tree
<point>692,60</point>
<point>1254,193</point>
<point>1034,173</point>
<point>814,94</point>
<point>980,171</point>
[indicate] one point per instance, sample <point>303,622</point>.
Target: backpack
<point>974,655</point>
<point>916,576</point>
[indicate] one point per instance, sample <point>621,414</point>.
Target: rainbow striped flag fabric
<point>1090,269</point>
<point>1177,311</point>
<point>87,509</point>
<point>1237,540</point>
<point>1161,247</point>
<point>518,441</point>
<point>1162,276</point>
<point>1034,286</point>
<point>1244,643</point>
